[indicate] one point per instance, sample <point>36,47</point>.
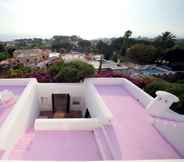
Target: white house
<point>118,121</point>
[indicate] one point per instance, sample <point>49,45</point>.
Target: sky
<point>90,19</point>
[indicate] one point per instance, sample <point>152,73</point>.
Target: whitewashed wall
<point>21,117</point>
<point>95,104</point>
<point>135,91</point>
<point>76,92</point>
<point>171,160</point>
<point>105,81</point>
<point>21,82</point>
<point>67,124</point>
<point>138,93</point>
<point>173,132</point>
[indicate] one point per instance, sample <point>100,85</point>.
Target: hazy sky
<point>91,18</point>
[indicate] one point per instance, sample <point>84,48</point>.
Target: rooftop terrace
<point>6,107</point>
<point>138,139</point>
<point>121,126</point>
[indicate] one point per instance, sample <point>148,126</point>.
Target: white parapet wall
<point>75,90</point>
<point>18,82</point>
<point>95,104</point>
<point>66,124</point>
<point>105,81</point>
<point>22,116</point>
<point>173,132</point>
<point>135,91</point>
<point>167,160</point>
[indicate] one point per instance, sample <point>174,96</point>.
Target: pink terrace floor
<point>4,111</point>
<point>57,145</point>
<point>1,153</point>
<point>137,138</point>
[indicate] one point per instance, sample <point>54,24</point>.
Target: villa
<point>96,120</point>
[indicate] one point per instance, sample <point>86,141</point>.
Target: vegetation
<point>4,56</point>
<point>174,58</point>
<point>143,54</point>
<point>126,37</point>
<point>165,50</point>
<point>104,48</point>
<point>165,40</point>
<point>84,45</point>
<point>74,71</point>
<point>55,68</point>
<point>100,65</point>
<point>5,52</point>
<point>19,71</point>
<point>174,88</point>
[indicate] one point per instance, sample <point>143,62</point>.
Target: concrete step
<point>1,153</point>
<point>112,142</point>
<point>102,144</point>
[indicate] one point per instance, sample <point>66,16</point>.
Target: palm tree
<point>126,38</point>
<point>165,40</point>
<point>100,64</point>
<point>128,34</point>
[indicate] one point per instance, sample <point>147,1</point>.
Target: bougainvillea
<point>40,76</point>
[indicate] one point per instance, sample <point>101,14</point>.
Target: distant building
<point>31,56</point>
<point>54,55</point>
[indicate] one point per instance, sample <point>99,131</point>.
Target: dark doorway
<point>61,103</point>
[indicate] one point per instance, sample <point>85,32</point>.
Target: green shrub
<point>68,74</point>
<point>19,71</point>
<point>55,68</point>
<point>4,56</point>
<point>73,71</point>
<point>174,88</point>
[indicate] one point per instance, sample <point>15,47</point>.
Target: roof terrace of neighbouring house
<point>10,93</point>
<point>100,119</point>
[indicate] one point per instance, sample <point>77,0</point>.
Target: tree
<point>128,34</point>
<point>115,57</point>
<point>59,42</point>
<point>143,54</point>
<point>10,51</point>
<point>165,40</point>
<point>126,37</point>
<point>100,46</point>
<point>173,58</point>
<point>104,49</point>
<point>73,71</point>
<point>2,47</point>
<point>59,45</point>
<point>84,45</point>
<point>100,64</point>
